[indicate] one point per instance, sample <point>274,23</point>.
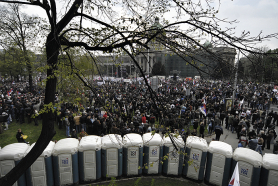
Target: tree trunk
<point>47,133</point>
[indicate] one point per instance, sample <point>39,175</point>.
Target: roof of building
<point>156,24</point>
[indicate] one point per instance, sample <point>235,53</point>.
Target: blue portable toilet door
<point>5,167</point>
<point>272,178</point>
<point>65,169</point>
<point>245,173</point>
<point>153,163</point>
<point>194,168</point>
<point>89,165</point>
<point>133,161</point>
<point>173,161</point>
<point>217,169</point>
<point>38,172</point>
<point>112,162</point>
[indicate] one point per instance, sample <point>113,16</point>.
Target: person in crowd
<point>269,137</point>
<point>67,124</point>
<point>260,144</point>
<point>275,148</point>
<point>218,131</point>
<point>19,137</point>
<point>73,134</point>
<point>77,122</point>
<point>202,130</point>
<point>144,119</point>
<point>82,134</point>
<point>263,136</point>
<point>243,138</point>
<point>253,142</point>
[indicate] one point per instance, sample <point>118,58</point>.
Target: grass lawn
<point>29,129</point>
<point>33,132</point>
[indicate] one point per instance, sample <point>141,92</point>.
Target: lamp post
<point>235,83</point>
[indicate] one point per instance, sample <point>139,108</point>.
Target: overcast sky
<point>253,16</point>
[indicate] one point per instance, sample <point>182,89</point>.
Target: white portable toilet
<point>196,152</point>
<point>89,158</point>
<point>174,163</point>
<point>41,171</point>
<point>10,156</point>
<point>65,162</point>
<point>249,166</point>
<point>153,152</point>
<point>133,154</point>
<point>269,172</point>
<point>219,161</point>
<point>111,155</point>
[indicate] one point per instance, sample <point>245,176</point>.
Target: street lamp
<point>236,68</point>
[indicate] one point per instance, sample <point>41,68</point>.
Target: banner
<point>229,103</point>
<point>235,178</point>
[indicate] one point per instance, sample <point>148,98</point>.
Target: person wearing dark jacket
<point>264,139</point>
<point>253,142</point>
<point>89,123</point>
<point>275,148</point>
<point>202,130</point>
<point>83,121</point>
<point>222,117</point>
<point>269,136</point>
<point>195,124</point>
<point>19,137</point>
<point>218,131</point>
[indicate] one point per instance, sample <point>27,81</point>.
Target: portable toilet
<point>133,154</point>
<point>153,152</point>
<point>249,166</point>
<point>219,161</point>
<point>89,156</point>
<point>65,162</point>
<point>269,172</point>
<point>174,163</point>
<point>10,156</point>
<point>111,155</point>
<point>41,171</point>
<point>195,159</point>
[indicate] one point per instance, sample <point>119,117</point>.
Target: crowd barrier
<point>93,158</point>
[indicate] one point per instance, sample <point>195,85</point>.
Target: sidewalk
<point>230,138</point>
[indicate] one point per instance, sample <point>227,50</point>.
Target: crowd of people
<point>121,108</point>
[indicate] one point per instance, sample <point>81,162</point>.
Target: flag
<point>203,109</point>
<point>10,91</point>
<point>235,178</point>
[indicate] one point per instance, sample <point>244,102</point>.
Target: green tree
<point>18,30</point>
<point>260,67</point>
<point>271,66</point>
<point>12,63</point>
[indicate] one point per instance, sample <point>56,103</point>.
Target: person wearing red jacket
<point>105,115</point>
<point>144,119</point>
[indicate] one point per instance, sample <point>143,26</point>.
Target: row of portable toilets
<point>69,162</point>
